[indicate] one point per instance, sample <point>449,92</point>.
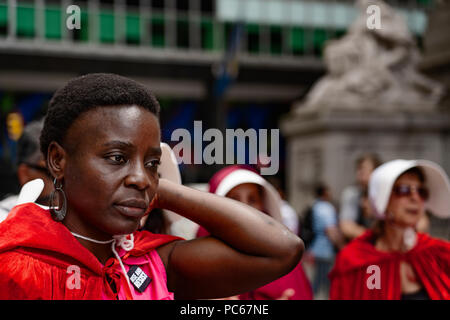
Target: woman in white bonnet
<point>393,260</point>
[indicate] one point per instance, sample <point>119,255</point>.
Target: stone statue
<point>373,69</point>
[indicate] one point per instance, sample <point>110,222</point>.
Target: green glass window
<point>158,31</point>
<point>3,14</point>
<point>107,27</point>
<point>84,31</point>
<point>276,39</point>
<point>297,40</point>
<point>25,21</point>
<point>53,23</point>
<point>133,28</point>
<point>3,19</point>
<point>182,33</point>
<point>253,45</point>
<point>320,37</point>
<point>207,34</point>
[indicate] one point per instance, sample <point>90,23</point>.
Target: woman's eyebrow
<point>118,144</point>
<point>155,151</point>
<point>127,145</point>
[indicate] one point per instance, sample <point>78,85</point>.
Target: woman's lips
<point>412,211</point>
<point>134,208</point>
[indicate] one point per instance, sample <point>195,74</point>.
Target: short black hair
<point>88,92</point>
<point>28,151</point>
<point>320,190</point>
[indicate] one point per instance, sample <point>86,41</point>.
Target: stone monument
<point>436,64</point>
<point>372,98</point>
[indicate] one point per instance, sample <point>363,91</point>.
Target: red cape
<point>35,252</point>
<point>430,259</point>
<point>295,281</point>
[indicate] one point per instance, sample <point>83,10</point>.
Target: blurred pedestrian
<point>326,238</point>
<point>289,216</point>
<point>30,166</point>
<point>243,184</point>
<point>392,260</point>
<point>353,220</point>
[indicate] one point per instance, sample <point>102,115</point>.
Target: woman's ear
<point>56,159</point>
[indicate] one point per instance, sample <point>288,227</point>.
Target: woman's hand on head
<point>162,191</point>
<point>154,203</point>
<point>246,249</point>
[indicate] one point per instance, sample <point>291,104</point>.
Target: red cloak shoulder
<point>430,259</point>
<point>35,252</point>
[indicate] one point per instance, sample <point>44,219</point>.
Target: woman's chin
<point>124,228</point>
<point>410,223</point>
<point>404,223</point>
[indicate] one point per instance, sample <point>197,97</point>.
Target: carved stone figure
<point>373,69</point>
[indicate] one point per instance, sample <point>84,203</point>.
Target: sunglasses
<point>404,190</point>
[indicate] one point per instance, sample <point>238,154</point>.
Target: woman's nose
<point>138,177</point>
<point>416,195</point>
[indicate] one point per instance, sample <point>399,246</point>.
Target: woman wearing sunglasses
<point>393,260</point>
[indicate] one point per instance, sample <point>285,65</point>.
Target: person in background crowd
<point>30,166</point>
<point>101,141</point>
<point>8,177</point>
<point>243,184</point>
<point>353,220</point>
<point>392,260</point>
<point>326,238</point>
<point>288,214</point>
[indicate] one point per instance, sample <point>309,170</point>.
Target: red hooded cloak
<point>429,258</point>
<point>35,252</point>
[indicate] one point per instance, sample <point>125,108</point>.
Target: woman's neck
<point>102,251</point>
<point>393,238</point>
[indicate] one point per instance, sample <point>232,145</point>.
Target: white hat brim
<point>436,180</point>
<point>272,200</point>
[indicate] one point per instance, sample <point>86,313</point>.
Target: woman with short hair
<point>101,142</point>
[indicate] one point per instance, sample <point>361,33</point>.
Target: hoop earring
<point>58,214</point>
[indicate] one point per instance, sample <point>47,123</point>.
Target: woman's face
<point>406,209</point>
<point>364,171</point>
<point>110,169</point>
<point>248,193</point>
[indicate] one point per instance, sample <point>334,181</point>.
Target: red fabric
<point>35,252</point>
<point>295,281</point>
<point>430,259</point>
<point>202,232</point>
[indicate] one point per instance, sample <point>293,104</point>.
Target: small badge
<point>139,278</point>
